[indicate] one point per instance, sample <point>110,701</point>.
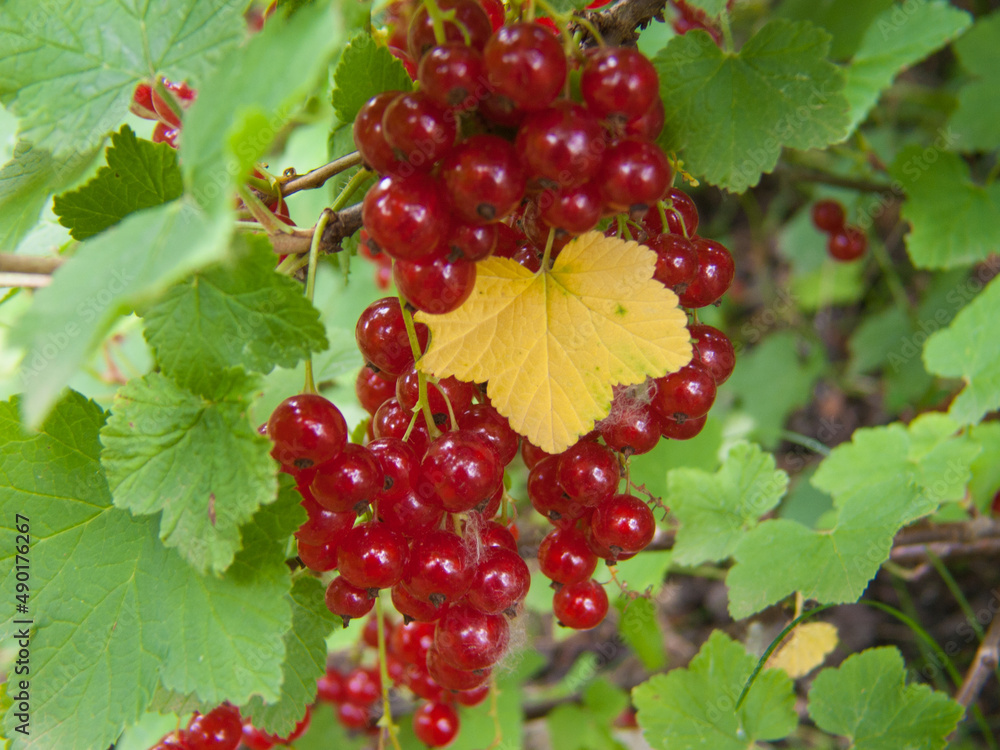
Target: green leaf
<point>305,660</point>
<point>711,8</point>
<point>901,36</point>
<point>974,122</point>
<point>588,727</point>
<point>365,69</point>
<point>641,631</point>
<point>139,174</point>
<point>111,274</point>
<point>953,222</point>
<point>986,468</point>
<point>69,69</point>
<point>716,510</point>
<point>966,349</point>
<point>237,313</point>
<point>774,379</point>
<point>692,708</point>
<point>197,462</point>
<point>846,20</point>
<point>250,97</point>
<point>910,471</point>
<point>646,571</point>
<point>731,114</point>
<point>117,613</point>
<point>867,700</point>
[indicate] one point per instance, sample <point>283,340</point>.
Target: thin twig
<point>618,23</point>
<point>30,263</point>
<point>318,177</point>
<point>30,280</point>
<point>802,174</point>
<point>987,659</point>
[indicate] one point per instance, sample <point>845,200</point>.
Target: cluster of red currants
<point>150,104</point>
<point>222,728</point>
<point>846,242</point>
<point>356,692</point>
<point>491,157</point>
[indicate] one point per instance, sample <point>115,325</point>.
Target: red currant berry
<point>633,175</point>
<point>564,556</point>
<point>531,454</point>
<point>348,482</point>
<point>348,601</point>
<point>682,215</point>
<point>419,130</point>
<point>453,75</point>
<point>676,261</point>
<point>484,179</point>
<point>220,729</point>
<point>686,394</point>
<point>494,534</point>
<point>411,642</point>
<point>413,609</point>
<point>526,64</point>
<point>588,473</point>
<point>486,422</point>
<point>500,581</point>
<point>372,556</point>
<point>362,686</point>
<point>355,717</point>
<point>319,557</point>
<point>399,467</point>
<point>451,678</point>
<point>468,15</point>
<point>562,145</point>
<point>631,430</point>
<point>307,430</point>
<point>714,351</point>
<point>619,82</point>
<point>373,388</point>
<point>407,217</point>
<point>468,639</point>
<point>496,11</point>
<point>715,274</point>
<point>369,136</point>
<point>847,244</point>
<point>580,606</point>
<point>624,524</point>
<point>322,526</point>
<point>828,216</point>
<point>463,468</point>
<point>574,210</point>
<point>435,724</point>
<point>382,339</point>
<point>255,739</point>
<point>411,515</point>
<point>330,687</point>
<point>439,569</point>
<point>472,241</point>
<point>438,287</point>
<point>677,430</point>
<point>649,125</point>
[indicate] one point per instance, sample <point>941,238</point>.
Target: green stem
<point>422,401</point>
<point>310,385</point>
<point>383,669</point>
<point>548,250</point>
<point>727,32</point>
<point>438,17</point>
<point>261,212</point>
<point>350,189</point>
<point>896,287</point>
<point>262,185</point>
<point>806,442</point>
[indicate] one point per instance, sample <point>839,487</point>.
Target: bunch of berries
<point>846,242</point>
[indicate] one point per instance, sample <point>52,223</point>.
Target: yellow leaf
<point>552,344</point>
<point>805,649</point>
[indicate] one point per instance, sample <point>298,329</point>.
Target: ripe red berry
<point>255,739</point>
<point>681,212</point>
<point>463,468</point>
<point>564,556</point>
<point>500,581</point>
<point>362,686</point>
<point>828,216</point>
<point>562,145</point>
<point>468,639</point>
<point>682,430</point>
<point>574,210</point>
<point>483,178</point>
<point>633,175</point>
<point>369,136</point>
<point>438,287</point>
<point>439,395</point>
<point>451,678</point>
<point>435,724</point>
<point>411,515</point>
<point>322,526</point>
<point>413,609</point>
<point>348,601</point>
<point>525,63</point>
<point>648,125</point>
<point>439,569</point>
<point>330,687</point>
<point>847,244</point>
<point>631,430</point>
<point>483,420</point>
<point>714,351</point>
<point>419,130</point>
<point>410,642</point>
<point>356,717</point>
<point>319,557</point>
<point>714,277</point>
<point>399,467</point>
<point>619,82</point>
<point>407,217</point>
<point>580,606</point>
<point>686,394</point>
<point>453,75</point>
<point>348,482</point>
<point>547,496</point>
<point>220,729</point>
<point>468,13</point>
<point>373,388</point>
<point>472,241</point>
<point>372,556</point>
<point>381,337</point>
<point>588,473</point>
<point>307,430</point>
<point>494,534</point>
<point>624,524</point>
<point>676,261</point>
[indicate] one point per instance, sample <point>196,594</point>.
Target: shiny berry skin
<point>580,606</point>
<point>404,57</point>
<point>847,244</point>
<point>588,473</point>
<point>676,260</point>
<point>633,175</point>
<point>420,683</point>
<point>348,482</point>
<point>715,274</point>
<point>369,136</point>
<point>410,642</point>
<point>682,430</point>
<point>220,729</point>
<point>619,82</point>
<point>439,395</point>
<point>562,145</point>
<point>496,11</point>
<point>435,724</point>
<point>682,215</point>
<point>439,568</point>
<point>494,534</point>
<point>451,678</point>
<point>411,515</point>
<point>484,179</point>
<point>500,581</point>
<point>392,420</point>
<point>420,36</point>
<point>373,388</point>
<point>648,125</point>
<point>453,75</point>
<point>419,130</point>
<point>399,467</point>
<point>471,697</point>
<point>307,430</point>
<point>714,351</point>
<point>372,556</point>
<point>463,468</point>
<point>575,210</point>
<point>353,716</point>
<point>564,556</point>
<point>330,687</point>
<point>407,217</point>
<point>624,524</point>
<point>828,216</point>
<point>348,601</point>
<point>472,241</point>
<point>468,639</point>
<point>438,287</point>
<point>486,422</point>
<point>322,526</point>
<point>382,339</point>
<point>532,454</point>
<point>362,686</point>
<point>413,609</point>
<point>632,432</point>
<point>686,394</point>
<point>255,739</point>
<point>319,557</point>
<point>547,496</point>
<point>526,64</point>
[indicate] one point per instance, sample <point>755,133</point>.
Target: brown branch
<point>987,658</point>
<point>913,553</point>
<point>801,174</point>
<point>618,24</point>
<point>45,264</point>
<point>981,527</point>
<point>318,177</point>
<point>341,225</point>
